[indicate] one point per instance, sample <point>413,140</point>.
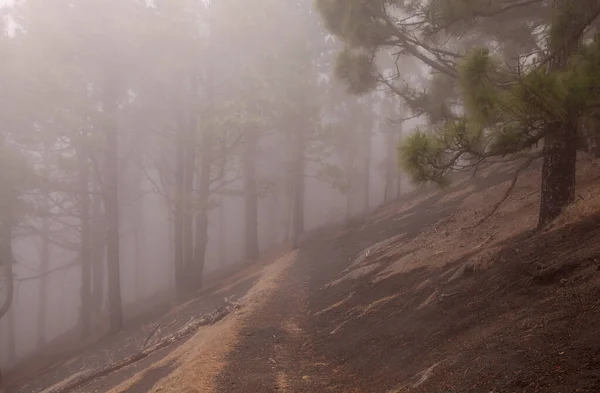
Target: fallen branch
<point>150,335</point>
<point>184,332</point>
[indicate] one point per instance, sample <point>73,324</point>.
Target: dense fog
<point>147,146</point>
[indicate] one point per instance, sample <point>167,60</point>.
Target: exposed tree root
<point>184,332</point>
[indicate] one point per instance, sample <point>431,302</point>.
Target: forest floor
<point>412,298</point>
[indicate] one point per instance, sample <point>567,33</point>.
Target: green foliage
<point>357,70</point>
<point>353,20</point>
<point>421,154</point>
<point>512,116</point>
<point>478,73</point>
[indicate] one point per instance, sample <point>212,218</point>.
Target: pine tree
<point>511,94</point>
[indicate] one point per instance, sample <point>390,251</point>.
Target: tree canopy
<point>503,77</point>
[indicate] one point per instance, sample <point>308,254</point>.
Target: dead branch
<point>186,331</point>
<point>150,335</point>
<point>506,194</point>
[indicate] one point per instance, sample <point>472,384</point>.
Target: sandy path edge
<point>199,361</point>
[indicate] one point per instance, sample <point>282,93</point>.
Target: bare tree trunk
<point>98,251</point>
<point>203,206</point>
<point>350,187</point>
<point>222,233</point>
<point>85,253</point>
<point>139,240</point>
<point>367,167</point>
<point>11,338</point>
<point>111,203</point>
<point>299,186</point>
<point>250,195</point>
<point>7,273</point>
<point>273,212</point>
<point>591,134</point>
<point>178,215</point>
<point>391,173</point>
<point>43,291</point>
<point>204,180</point>
<point>7,309</point>
<point>191,130</point>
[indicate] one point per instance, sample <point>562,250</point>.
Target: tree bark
<point>222,233</point>
<point>6,260</point>
<point>299,186</point>
<point>179,212</point>
<point>590,128</point>
<point>390,166</point>
<point>43,291</point>
<point>560,143</point>
<point>98,252</point>
<point>85,244</point>
<point>203,202</point>
<point>11,333</point>
<point>251,195</point>
<point>111,203</point>
<point>558,172</point>
<point>367,165</point>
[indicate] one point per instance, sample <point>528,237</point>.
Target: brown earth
<point>409,300</point>
<point>413,298</point>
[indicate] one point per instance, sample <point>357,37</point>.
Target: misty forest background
<point>144,146</point>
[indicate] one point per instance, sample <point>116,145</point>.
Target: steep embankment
<point>413,298</point>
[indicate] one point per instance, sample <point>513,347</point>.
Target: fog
<point>147,146</point>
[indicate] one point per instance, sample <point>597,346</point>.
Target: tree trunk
<point>299,186</point>
<point>590,128</point>
<point>11,336</point>
<point>85,253</point>
<point>7,273</point>
<point>367,166</point>
<point>390,168</point>
<point>558,171</point>
<point>250,195</point>
<point>139,261</point>
<point>43,291</point>
<point>274,228</point>
<point>204,180</point>
<point>222,233</point>
<point>349,175</point>
<point>178,221</point>
<point>203,208</point>
<point>98,252</point>
<point>560,143</point>
<point>178,214</point>
<point>190,132</point>
<point>111,203</point>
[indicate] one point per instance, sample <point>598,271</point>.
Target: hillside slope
<point>413,298</point>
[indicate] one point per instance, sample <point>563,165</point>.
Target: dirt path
<point>279,350</point>
<point>274,353</point>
